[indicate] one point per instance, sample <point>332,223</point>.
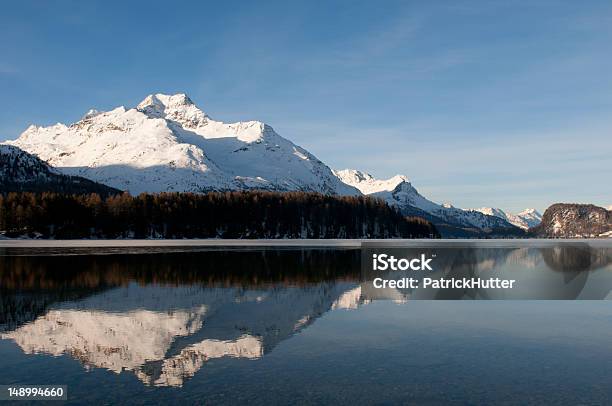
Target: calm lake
<point>219,325</point>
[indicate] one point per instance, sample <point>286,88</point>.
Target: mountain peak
<point>399,179</point>
<point>526,219</point>
<point>163,101</point>
<point>493,211</point>
<point>90,114</point>
<point>366,183</point>
<point>354,173</point>
<point>176,107</point>
<point>532,212</point>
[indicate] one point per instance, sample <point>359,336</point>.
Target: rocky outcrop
<point>565,220</point>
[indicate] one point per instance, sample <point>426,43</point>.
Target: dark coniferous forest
<point>254,214</point>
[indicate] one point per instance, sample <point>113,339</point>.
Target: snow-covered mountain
<point>526,219</point>
<point>531,217</point>
<point>366,183</point>
<point>398,191</point>
<point>23,172</point>
<point>167,143</point>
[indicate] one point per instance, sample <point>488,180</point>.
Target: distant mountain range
<point>451,221</point>
<point>166,143</point>
<point>526,219</point>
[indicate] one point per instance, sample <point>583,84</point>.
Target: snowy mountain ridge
<point>366,183</point>
<point>167,143</point>
<point>398,191</point>
<point>526,219</point>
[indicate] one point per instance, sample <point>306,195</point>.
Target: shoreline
<point>314,243</point>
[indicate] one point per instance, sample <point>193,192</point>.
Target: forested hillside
<point>571,220</point>
<point>23,172</point>
<point>253,214</point>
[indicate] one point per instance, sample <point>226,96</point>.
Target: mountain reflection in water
<point>162,316</point>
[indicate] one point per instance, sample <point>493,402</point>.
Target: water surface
<point>286,325</point>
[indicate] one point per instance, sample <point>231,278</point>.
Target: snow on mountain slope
<point>491,211</point>
<point>531,217</point>
<point>397,191</point>
<point>167,143</point>
<point>366,183</point>
<point>526,219</point>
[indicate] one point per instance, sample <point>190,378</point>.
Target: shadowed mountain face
<point>23,172</point>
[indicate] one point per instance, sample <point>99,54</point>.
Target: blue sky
<point>493,103</point>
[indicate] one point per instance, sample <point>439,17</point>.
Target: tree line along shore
<point>245,214</point>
